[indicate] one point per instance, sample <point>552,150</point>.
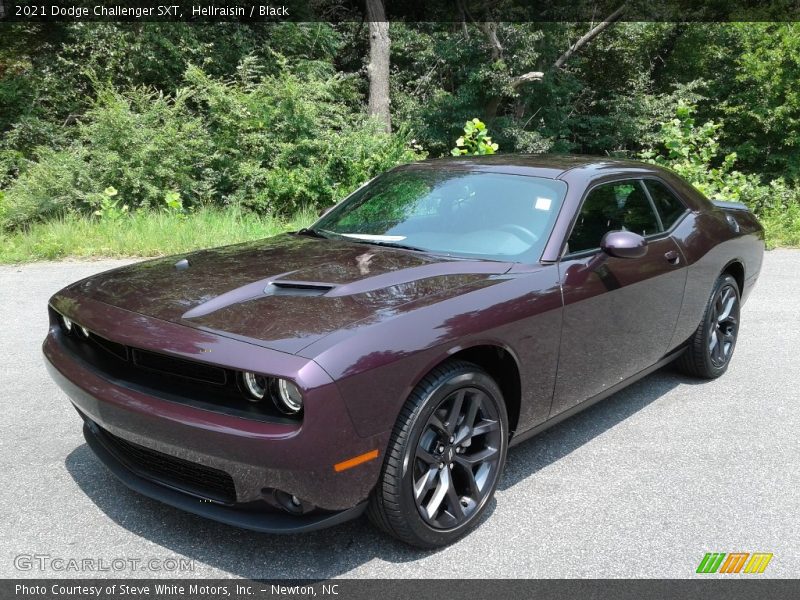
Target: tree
<point>489,30</point>
<point>378,67</point>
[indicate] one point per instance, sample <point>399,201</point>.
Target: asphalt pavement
<point>641,485</point>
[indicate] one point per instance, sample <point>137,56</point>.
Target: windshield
<point>461,213</point>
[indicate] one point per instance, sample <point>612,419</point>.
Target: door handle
<point>673,257</point>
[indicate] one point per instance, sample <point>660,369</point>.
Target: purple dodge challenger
<point>383,359</point>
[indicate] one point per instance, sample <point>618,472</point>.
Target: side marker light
<point>355,461</point>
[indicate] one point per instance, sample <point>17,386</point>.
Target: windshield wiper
<point>389,245</point>
<point>312,233</point>
<point>325,234</point>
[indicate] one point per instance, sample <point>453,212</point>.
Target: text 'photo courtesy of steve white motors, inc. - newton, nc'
<point>174,11</point>
<point>160,590</point>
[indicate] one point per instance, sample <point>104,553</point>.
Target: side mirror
<point>624,244</point>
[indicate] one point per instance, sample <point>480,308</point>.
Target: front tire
<point>711,347</point>
<point>444,459</point>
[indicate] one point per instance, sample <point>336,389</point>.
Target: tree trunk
<point>489,30</point>
<point>490,110</point>
<point>378,67</point>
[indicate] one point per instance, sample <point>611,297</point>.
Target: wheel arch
<point>501,364</point>
<point>735,268</point>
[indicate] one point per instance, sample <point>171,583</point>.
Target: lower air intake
<point>193,478</point>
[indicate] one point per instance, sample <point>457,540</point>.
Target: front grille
<point>161,363</point>
<point>114,348</point>
<point>190,477</point>
<point>169,377</point>
<point>178,366</point>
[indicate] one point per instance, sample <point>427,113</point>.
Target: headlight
<point>83,331</point>
<point>256,385</point>
<point>67,323</point>
<point>286,396</point>
<point>289,399</point>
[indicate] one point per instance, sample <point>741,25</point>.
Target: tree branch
<point>530,76</point>
<point>590,35</point>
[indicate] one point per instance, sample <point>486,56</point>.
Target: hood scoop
<point>297,288</point>
<point>272,286</point>
<point>283,284</point>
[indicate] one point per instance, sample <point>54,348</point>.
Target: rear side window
<point>617,206</point>
<point>669,207</point>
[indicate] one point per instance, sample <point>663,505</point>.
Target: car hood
<point>288,291</point>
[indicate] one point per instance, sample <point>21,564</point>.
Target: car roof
<point>552,166</point>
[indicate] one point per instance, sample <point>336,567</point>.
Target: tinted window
<point>466,213</point>
<point>617,206</point>
<point>668,206</point>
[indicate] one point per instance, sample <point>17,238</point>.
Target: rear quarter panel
<point>710,246</point>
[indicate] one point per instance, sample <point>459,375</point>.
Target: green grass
<point>140,234</point>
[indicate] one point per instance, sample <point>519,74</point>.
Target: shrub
<point>273,144</point>
<point>475,141</point>
<point>55,183</point>
<point>783,224</point>
<point>140,143</point>
<point>692,151</point>
<point>144,144</point>
<point>289,141</point>
<point>111,208</point>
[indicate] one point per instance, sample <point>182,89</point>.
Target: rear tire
<point>712,344</point>
<point>444,458</point>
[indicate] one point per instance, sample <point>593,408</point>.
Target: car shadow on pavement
<point>339,550</point>
<point>557,442</point>
<point>316,555</point>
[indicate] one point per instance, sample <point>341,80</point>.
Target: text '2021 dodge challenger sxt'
<point>384,358</point>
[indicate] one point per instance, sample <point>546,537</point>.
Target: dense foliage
<point>271,118</point>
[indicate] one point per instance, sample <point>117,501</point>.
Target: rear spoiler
<point>728,205</point>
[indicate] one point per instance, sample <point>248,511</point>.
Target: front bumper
<point>261,457</point>
<point>262,521</point>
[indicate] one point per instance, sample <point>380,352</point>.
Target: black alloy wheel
<point>457,459</point>
<point>723,325</point>
<point>711,347</point>
<point>444,459</point>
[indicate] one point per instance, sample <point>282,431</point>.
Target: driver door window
<point>609,301</point>
<point>617,206</point>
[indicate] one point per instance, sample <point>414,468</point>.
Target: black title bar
<point>400,10</point>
